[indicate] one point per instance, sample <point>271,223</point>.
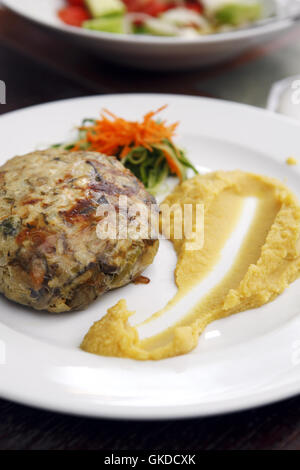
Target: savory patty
<point>51,255</point>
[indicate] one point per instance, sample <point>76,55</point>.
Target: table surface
<point>38,68</point>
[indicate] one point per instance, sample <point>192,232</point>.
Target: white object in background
<point>284,97</point>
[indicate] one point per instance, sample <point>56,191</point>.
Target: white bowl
<point>152,52</point>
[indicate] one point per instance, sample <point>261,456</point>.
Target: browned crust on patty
<point>50,255</point>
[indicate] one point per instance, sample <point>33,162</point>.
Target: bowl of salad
<point>164,18</point>
<point>159,34</point>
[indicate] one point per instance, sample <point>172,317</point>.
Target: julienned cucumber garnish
<point>146,148</point>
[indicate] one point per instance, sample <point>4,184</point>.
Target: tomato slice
<point>149,7</point>
<point>155,8</point>
<point>76,3</point>
<point>195,6</point>
<point>73,15</point>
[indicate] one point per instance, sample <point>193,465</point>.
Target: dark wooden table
<point>37,67</point>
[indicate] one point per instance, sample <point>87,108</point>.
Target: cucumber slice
<point>100,8</point>
<point>158,27</point>
<point>110,24</point>
<point>237,14</point>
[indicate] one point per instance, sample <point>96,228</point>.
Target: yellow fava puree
<point>267,261</point>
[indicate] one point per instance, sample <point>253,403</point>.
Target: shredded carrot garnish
<point>113,135</point>
<point>174,166</point>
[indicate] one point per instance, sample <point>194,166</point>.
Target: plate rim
<point>263,111</point>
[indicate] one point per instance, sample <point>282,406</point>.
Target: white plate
<point>243,361</point>
<point>149,51</point>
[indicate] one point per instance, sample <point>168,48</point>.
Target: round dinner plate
<point>154,52</point>
<point>246,360</point>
